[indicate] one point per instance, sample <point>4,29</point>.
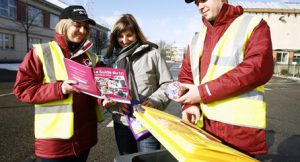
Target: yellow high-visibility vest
<point>248,109</point>
<point>54,119</point>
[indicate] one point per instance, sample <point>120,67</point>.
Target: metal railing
<point>289,70</point>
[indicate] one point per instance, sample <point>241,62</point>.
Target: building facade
<point>284,22</point>
<point>175,52</point>
<point>34,21</point>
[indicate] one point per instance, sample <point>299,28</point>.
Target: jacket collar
<point>141,47</point>
<point>145,46</point>
<point>62,42</point>
<point>227,14</point>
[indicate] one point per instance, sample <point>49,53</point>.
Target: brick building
<point>39,18</point>
<point>284,22</point>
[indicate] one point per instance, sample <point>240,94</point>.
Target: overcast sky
<point>168,20</point>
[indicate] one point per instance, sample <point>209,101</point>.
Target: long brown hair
<point>125,22</point>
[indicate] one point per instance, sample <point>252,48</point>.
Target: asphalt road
<point>283,132</point>
<point>283,122</point>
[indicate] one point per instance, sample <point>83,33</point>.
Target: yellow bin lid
<point>186,142</point>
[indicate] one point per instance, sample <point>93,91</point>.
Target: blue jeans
<point>81,158</point>
<point>128,145</point>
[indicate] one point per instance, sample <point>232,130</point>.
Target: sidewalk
<point>105,150</point>
<point>283,133</point>
<point>287,77</point>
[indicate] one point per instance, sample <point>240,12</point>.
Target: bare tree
<point>103,41</point>
<point>28,16</point>
<point>100,41</point>
<point>162,47</point>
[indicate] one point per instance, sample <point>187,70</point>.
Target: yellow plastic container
<point>186,142</point>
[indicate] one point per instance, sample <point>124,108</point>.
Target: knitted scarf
<point>123,61</point>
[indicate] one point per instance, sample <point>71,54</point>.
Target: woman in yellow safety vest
<point>65,121</point>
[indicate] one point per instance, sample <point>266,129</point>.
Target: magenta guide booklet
<point>99,82</point>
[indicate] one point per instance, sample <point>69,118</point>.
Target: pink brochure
<point>99,82</point>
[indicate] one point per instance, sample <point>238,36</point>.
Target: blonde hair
<point>63,25</point>
<point>125,22</point>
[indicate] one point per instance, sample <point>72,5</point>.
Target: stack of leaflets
<point>185,141</point>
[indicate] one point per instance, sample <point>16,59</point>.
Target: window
<point>8,8</point>
<point>103,36</point>
<point>93,38</point>
<point>7,41</point>
<point>53,20</point>
<point>1,41</point>
<point>282,57</point>
<point>35,16</point>
<point>297,58</point>
<point>34,41</point>
<point>93,33</point>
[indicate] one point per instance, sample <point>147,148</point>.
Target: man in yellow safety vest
<point>227,63</point>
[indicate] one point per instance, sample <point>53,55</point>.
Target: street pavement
<point>283,133</point>
<point>16,126</point>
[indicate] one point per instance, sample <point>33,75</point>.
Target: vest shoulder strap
<point>229,50</point>
<point>93,57</point>
<point>195,50</point>
<point>43,51</point>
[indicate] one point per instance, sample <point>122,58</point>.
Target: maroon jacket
<point>29,88</point>
<point>255,70</point>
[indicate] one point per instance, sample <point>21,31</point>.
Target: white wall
<point>10,26</point>
<point>285,34</point>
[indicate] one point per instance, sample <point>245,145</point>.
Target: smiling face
<point>126,37</point>
<point>209,9</point>
<point>77,31</point>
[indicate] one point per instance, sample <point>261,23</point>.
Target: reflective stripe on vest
<point>53,119</point>
<point>248,109</point>
<point>93,58</point>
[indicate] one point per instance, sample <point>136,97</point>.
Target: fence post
<point>294,63</point>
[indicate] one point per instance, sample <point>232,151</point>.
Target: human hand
<point>67,87</point>
<point>148,103</point>
<point>191,114</point>
<point>108,102</point>
<point>124,109</point>
<point>191,96</point>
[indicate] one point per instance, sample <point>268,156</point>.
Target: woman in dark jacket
<point>148,76</point>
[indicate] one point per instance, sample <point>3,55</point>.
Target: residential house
<point>284,22</point>
<point>175,52</point>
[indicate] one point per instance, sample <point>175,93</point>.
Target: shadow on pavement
<point>7,75</point>
<point>287,150</point>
